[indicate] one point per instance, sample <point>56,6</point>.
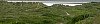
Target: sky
<point>62,0</point>
<point>50,4</point>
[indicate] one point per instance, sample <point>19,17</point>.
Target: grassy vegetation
<point>38,13</point>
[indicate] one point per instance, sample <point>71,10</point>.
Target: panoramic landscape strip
<point>40,13</point>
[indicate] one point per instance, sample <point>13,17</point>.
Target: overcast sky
<point>61,0</point>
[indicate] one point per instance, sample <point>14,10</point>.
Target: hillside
<point>38,13</point>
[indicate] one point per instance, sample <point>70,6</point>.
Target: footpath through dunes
<point>38,13</point>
